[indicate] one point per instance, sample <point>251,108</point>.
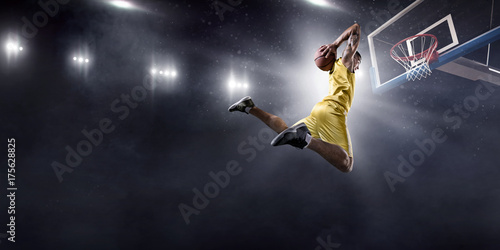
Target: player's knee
<point>346,166</point>
<point>346,169</point>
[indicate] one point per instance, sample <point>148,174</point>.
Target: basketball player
<point>324,130</point>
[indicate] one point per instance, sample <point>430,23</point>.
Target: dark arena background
<point>116,134</point>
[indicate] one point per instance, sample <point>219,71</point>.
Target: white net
<point>414,54</point>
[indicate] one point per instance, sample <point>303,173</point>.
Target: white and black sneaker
<point>244,105</point>
<point>295,136</point>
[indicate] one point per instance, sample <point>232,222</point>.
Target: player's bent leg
<point>246,105</point>
<point>333,153</point>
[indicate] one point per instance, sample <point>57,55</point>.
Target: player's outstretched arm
<point>352,45</point>
<point>331,49</point>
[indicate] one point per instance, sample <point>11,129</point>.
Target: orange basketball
<point>323,63</point>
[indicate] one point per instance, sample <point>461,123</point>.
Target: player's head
<point>356,60</point>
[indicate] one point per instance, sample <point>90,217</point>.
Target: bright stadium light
<point>231,84</point>
<point>10,46</point>
<point>166,72</point>
<point>237,85</point>
<point>322,3</point>
<point>122,4</point>
<point>126,5</point>
<point>80,60</point>
<point>13,47</point>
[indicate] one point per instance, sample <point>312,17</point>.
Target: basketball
<point>323,63</point>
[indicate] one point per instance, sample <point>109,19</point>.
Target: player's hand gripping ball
<point>325,57</point>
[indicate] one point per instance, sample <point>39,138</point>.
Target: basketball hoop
<point>416,65</point>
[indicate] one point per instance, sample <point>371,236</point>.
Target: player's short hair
<point>357,53</point>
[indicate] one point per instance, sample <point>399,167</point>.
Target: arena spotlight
<point>122,4</point>
<point>10,46</point>
<point>231,84</point>
<point>167,73</point>
<point>13,47</point>
<point>322,3</point>
<point>235,85</point>
<point>81,60</point>
<point>125,5</point>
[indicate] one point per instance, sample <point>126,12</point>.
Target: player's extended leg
<point>334,154</point>
<point>246,105</point>
<point>274,122</point>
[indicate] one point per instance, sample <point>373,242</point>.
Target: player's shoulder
<point>334,66</point>
<point>338,63</point>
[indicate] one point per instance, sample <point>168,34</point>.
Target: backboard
<point>468,40</point>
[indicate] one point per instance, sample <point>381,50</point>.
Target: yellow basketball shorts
<point>327,122</point>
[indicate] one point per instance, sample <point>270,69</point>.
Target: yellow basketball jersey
<point>341,89</point>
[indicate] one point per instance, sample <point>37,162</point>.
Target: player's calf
<point>332,153</point>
